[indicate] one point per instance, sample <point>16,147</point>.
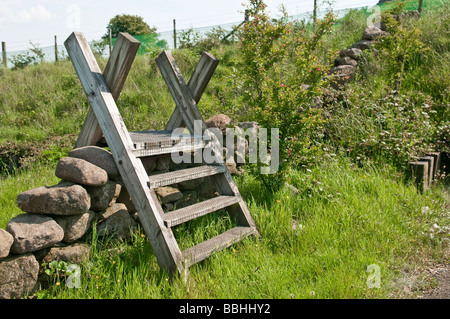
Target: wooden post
<point>197,84</point>
<point>56,49</point>
<point>4,59</point>
<point>420,6</point>
<point>115,74</point>
<point>119,141</point>
<point>110,42</point>
<point>315,14</point>
<point>174,34</point>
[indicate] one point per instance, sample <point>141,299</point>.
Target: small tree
<point>132,24</point>
<point>22,60</point>
<point>282,76</point>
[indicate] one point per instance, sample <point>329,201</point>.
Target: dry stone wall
<point>57,221</point>
<point>347,62</point>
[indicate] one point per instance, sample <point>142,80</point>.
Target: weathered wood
<point>419,172</point>
<point>185,214</point>
<point>430,161</point>
<point>186,104</point>
<point>197,84</point>
<point>179,90</point>
<point>116,72</point>
<point>184,175</point>
<point>131,169</point>
<point>56,49</point>
<point>4,57</point>
<point>437,163</point>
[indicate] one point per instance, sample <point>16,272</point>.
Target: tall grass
<point>354,208</point>
<point>346,219</point>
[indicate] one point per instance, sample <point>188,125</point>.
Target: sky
<point>38,21</point>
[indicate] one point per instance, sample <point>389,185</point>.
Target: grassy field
<point>356,208</point>
<point>346,219</point>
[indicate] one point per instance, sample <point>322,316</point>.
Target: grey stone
<point>371,33</point>
<point>207,188</point>
<point>169,206</point>
<point>190,184</point>
<point>73,254</point>
<point>341,75</point>
<point>32,232</point>
<point>189,198</point>
<point>103,196</point>
<point>75,226</point>
<point>343,69</point>
<point>62,199</point>
<point>118,223</point>
<point>168,194</point>
<point>149,164</point>
<point>220,121</point>
<point>353,53</point>
<point>99,157</point>
<point>79,171</point>
<point>124,198</point>
<point>6,241</point>
<point>18,276</point>
<point>363,44</point>
<point>345,61</point>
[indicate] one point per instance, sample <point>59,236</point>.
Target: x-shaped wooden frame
<point>186,96</point>
<point>115,74</point>
<point>102,91</point>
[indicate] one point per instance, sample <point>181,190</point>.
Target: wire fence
<point>53,52</point>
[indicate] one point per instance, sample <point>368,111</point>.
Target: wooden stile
<point>115,74</point>
<point>127,148</point>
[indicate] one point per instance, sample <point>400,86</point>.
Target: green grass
<point>347,219</point>
<point>350,212</point>
<point>16,183</point>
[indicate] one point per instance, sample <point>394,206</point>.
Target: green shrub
<point>282,75</point>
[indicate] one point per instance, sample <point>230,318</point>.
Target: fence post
<point>56,49</point>
<point>315,14</point>
<point>5,61</point>
<point>174,34</point>
<point>420,6</point>
<point>110,41</point>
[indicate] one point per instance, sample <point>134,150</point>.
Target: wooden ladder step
<point>203,250</point>
<point>185,214</point>
<point>150,143</point>
<point>184,175</point>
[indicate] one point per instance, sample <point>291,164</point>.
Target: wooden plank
<point>201,251</point>
<point>131,169</point>
<point>179,90</point>
<point>184,175</point>
<point>197,84</point>
<point>116,72</point>
<point>185,214</point>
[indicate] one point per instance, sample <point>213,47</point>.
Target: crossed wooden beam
<point>102,91</point>
<point>186,96</point>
